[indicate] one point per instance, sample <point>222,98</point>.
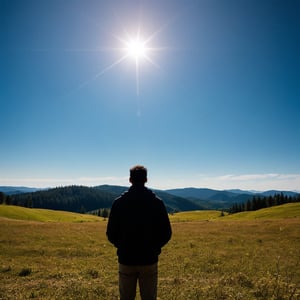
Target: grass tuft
<point>25,272</point>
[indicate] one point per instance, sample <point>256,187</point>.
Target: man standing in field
<point>139,227</point>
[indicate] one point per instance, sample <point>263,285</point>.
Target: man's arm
<point>165,230</point>
<point>112,230</point>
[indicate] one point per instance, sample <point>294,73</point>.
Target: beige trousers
<point>145,275</point>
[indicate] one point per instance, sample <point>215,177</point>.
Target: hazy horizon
<point>124,182</point>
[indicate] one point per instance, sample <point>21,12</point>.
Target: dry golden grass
<point>204,260</point>
<point>65,261</point>
<point>232,260</point>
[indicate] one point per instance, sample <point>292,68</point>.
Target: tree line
<point>5,199</point>
<point>72,198</point>
<point>101,212</point>
<point>259,202</point>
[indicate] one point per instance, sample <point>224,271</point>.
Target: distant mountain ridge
<point>11,190</point>
<point>172,202</point>
<point>215,199</point>
<point>205,193</point>
<point>81,198</point>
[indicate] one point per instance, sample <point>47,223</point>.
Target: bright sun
<point>136,49</point>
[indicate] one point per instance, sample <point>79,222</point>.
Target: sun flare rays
<point>134,47</point>
<point>138,49</point>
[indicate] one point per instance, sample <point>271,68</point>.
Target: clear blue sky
<point>219,108</point>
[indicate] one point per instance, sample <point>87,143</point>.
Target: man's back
<point>138,226</point>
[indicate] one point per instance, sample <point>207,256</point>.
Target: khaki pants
<point>145,275</point>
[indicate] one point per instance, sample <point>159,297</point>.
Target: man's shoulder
<point>121,197</point>
<point>154,199</point>
<point>133,193</point>
<point>152,195</point>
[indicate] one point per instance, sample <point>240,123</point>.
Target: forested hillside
<point>71,198</point>
<point>259,202</point>
<point>83,199</point>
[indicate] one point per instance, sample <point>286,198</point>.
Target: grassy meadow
<point>209,256</point>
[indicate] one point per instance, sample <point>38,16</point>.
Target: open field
<point>228,259</point>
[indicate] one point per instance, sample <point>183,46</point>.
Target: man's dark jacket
<point>138,226</point>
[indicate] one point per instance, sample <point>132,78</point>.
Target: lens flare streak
<point>134,48</point>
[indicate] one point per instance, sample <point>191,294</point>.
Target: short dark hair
<point>138,174</point>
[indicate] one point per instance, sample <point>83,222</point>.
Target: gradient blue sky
<point>219,109</point>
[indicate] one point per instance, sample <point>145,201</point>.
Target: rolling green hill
<point>290,210</point>
<point>43,215</point>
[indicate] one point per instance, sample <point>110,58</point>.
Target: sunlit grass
<point>232,260</point>
<point>188,216</point>
<point>206,259</point>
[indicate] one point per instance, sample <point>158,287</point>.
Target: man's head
<point>138,175</point>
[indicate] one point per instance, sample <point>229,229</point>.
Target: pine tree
<point>2,198</point>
